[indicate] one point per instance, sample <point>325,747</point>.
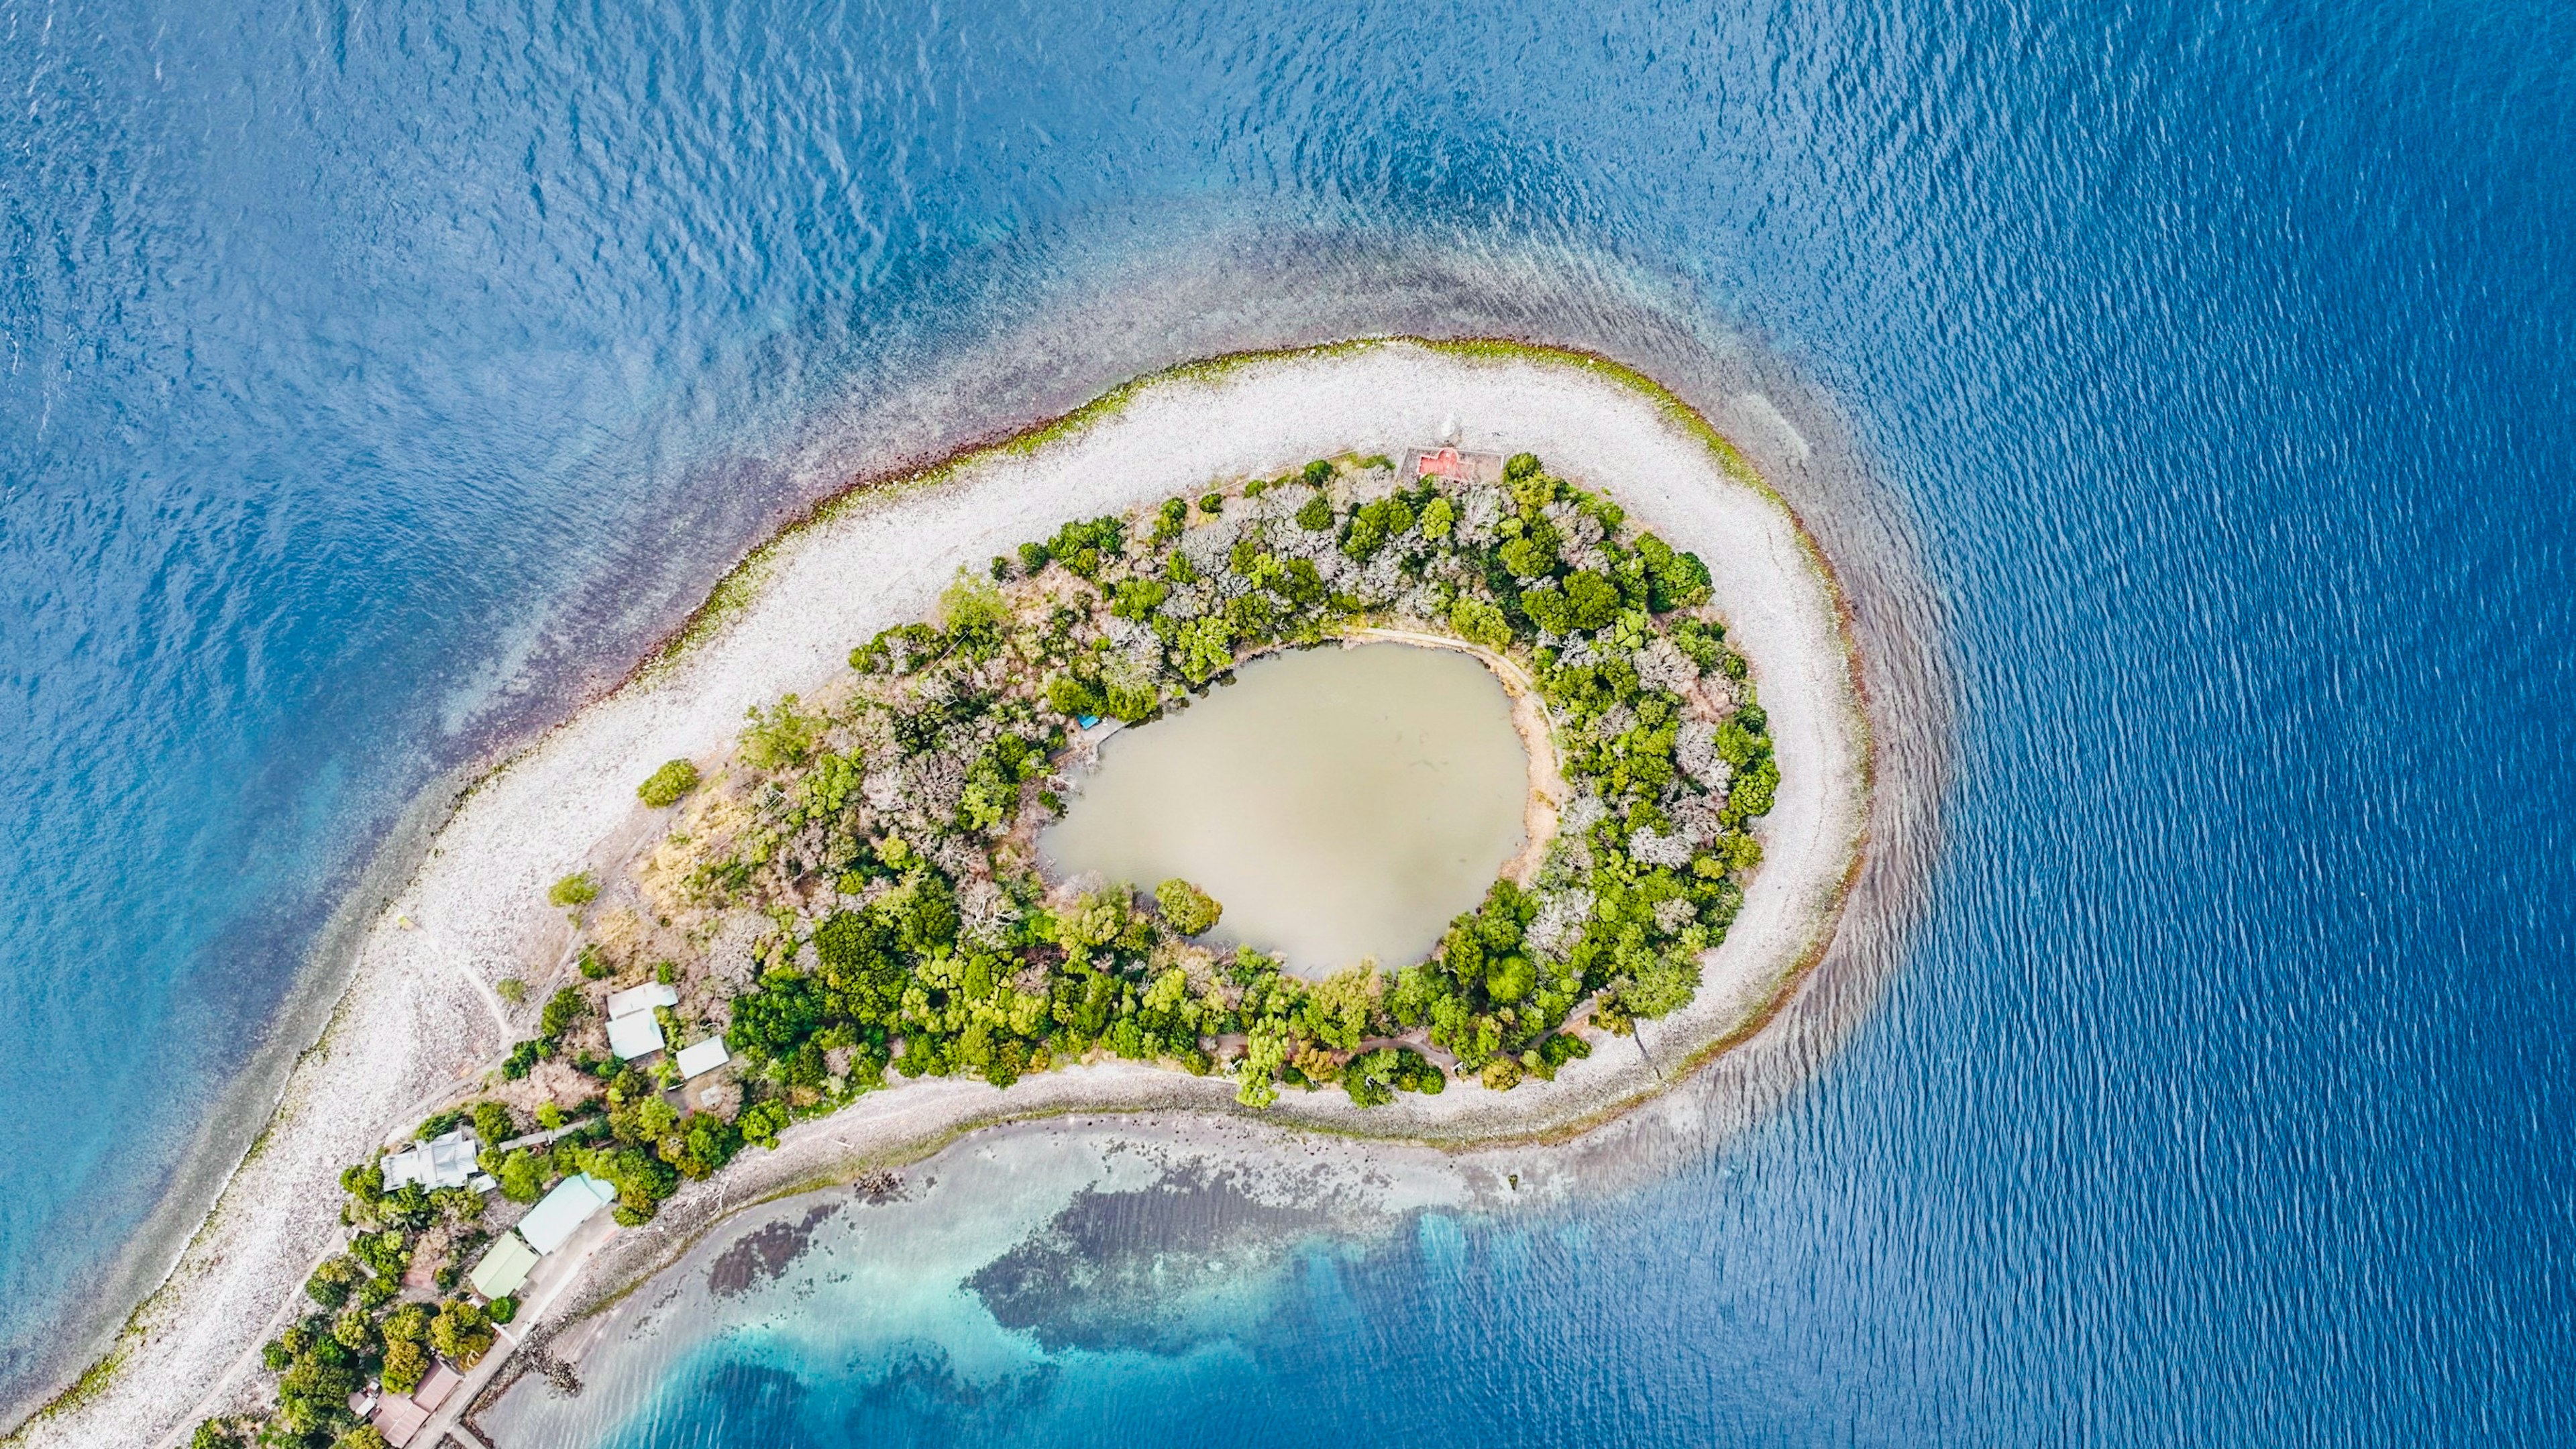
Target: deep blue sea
<point>377,381</point>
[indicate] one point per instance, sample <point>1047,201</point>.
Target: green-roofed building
<point>504,1268</point>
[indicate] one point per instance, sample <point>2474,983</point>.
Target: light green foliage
<point>512,990</point>
<point>493,1123</point>
<point>365,1436</point>
<point>1480,622</point>
<point>1205,648</point>
<point>1187,910</point>
<point>1530,556</point>
<point>1337,1010</point>
<point>406,1364</point>
<point>1316,514</point>
<point>461,1333</point>
<point>331,1283</point>
<point>970,605</point>
<point>1439,516</point>
<point>523,1174</point>
<point>666,785</point>
<point>781,738</point>
<point>577,889</point>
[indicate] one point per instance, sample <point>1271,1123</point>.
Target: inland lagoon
<point>1343,804</point>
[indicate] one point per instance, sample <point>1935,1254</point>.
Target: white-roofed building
<point>552,1222</point>
<point>639,999</point>
<point>634,1036</point>
<point>699,1058</point>
<point>443,1161</point>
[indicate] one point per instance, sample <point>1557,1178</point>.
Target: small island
<point>843,916</point>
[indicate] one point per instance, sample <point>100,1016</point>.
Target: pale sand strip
<point>414,1027</point>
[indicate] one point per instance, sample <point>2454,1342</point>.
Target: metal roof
<point>444,1161</point>
<point>633,1036</point>
<point>575,1199</point>
<point>641,998</point>
<point>504,1268</point>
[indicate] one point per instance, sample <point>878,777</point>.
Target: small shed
<point>699,1058</point>
<point>551,1223</point>
<point>504,1267</point>
<point>640,999</point>
<point>634,1036</point>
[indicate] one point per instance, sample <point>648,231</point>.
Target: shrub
<point>511,989</point>
<point>1318,473</point>
<point>562,1009</point>
<point>1316,515</point>
<point>577,889</point>
<point>406,1364</point>
<point>780,739</point>
<point>1187,910</point>
<point>214,1434</point>
<point>522,1175</point>
<point>501,1310</point>
<point>972,606</point>
<point>461,1333</point>
<point>1480,623</point>
<point>1519,466</point>
<point>523,1059</point>
<point>493,1123</point>
<point>665,786</point>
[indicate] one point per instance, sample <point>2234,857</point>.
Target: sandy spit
<point>419,1021</point>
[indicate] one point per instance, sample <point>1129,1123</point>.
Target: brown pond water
<point>1341,803</point>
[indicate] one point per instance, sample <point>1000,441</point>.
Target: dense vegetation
<point>856,893</point>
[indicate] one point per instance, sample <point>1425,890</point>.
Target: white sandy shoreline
<point>417,1022</point>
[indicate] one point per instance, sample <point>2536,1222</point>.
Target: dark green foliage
<point>1677,580</point>
<point>563,1008</point>
<point>1317,473</point>
<point>1372,524</point>
<point>1591,600</point>
<point>1084,547</point>
<point>331,1283</point>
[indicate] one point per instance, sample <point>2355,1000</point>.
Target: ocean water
<point>378,383</point>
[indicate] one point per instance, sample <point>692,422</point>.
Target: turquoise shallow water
<point>378,383</point>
